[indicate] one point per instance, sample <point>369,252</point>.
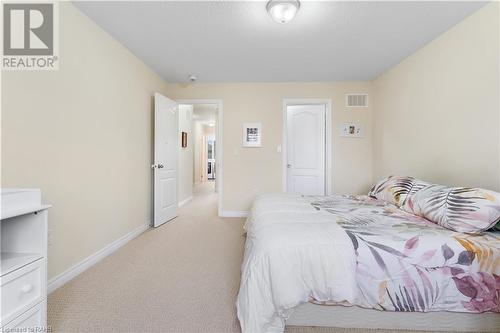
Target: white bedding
<point>293,253</point>
<point>356,250</point>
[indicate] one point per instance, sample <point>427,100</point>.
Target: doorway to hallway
<point>200,121</point>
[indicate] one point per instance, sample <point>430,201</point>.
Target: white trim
<point>233,213</point>
<point>185,201</point>
<point>328,138</point>
<point>219,152</point>
<point>75,270</point>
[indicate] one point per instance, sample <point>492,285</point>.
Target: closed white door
<point>305,148</point>
<point>166,150</point>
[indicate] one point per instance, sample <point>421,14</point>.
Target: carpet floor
<point>182,277</point>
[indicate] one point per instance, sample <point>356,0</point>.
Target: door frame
<point>328,138</point>
<point>219,145</point>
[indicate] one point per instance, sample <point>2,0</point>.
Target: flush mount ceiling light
<point>283,11</point>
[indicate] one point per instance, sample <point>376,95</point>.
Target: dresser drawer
<point>33,320</point>
<point>22,289</point>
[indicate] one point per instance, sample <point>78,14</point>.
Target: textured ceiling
<point>238,41</point>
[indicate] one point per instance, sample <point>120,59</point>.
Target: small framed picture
<point>184,140</point>
<point>252,135</point>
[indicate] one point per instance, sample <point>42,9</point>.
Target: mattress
<point>356,250</point>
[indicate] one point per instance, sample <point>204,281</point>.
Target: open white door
<point>305,147</point>
<point>166,150</point>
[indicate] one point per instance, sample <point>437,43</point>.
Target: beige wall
<point>197,141</point>
<point>209,131</point>
<point>83,135</point>
<point>248,172</point>
<point>437,112</point>
<point>185,180</point>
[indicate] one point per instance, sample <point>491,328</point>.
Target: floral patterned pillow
<point>393,189</point>
<point>462,209</point>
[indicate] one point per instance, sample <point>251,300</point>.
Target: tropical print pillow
<point>394,189</point>
<point>462,209</point>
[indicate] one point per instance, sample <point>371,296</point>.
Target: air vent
<point>356,100</point>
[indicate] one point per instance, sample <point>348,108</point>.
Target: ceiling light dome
<point>283,11</point>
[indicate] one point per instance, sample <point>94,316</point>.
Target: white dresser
<point>23,261</point>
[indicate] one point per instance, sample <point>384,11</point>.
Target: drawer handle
<point>27,288</point>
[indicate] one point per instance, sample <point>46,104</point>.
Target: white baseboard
<point>185,201</point>
<point>72,272</point>
<point>233,213</point>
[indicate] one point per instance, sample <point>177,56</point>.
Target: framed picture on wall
<point>184,140</point>
<point>252,135</point>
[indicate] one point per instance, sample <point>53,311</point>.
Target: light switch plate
<point>351,130</point>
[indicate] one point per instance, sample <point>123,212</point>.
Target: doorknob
<point>159,166</point>
<point>288,166</point>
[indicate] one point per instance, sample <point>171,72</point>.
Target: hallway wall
<point>186,155</point>
<point>197,139</point>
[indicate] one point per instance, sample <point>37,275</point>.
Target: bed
<point>339,255</point>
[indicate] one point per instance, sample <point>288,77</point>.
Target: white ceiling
<point>237,41</point>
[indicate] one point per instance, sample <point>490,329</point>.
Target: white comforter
<point>293,253</point>
<point>359,251</point>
